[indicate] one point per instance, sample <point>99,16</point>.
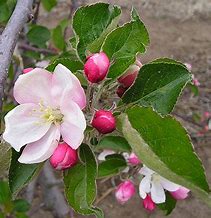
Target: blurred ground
<point>181,30</point>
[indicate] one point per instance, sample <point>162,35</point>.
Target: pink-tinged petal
<point>145,185</point>
<point>42,149</point>
<point>65,81</point>
<point>157,192</point>
<point>168,185</point>
<point>72,134</point>
<point>34,87</point>
<point>23,125</point>
<point>180,194</point>
<point>148,203</point>
<point>146,171</point>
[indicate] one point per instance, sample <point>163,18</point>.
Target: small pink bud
<point>129,77</point>
<point>148,203</point>
<point>133,159</point>
<point>27,70</point>
<point>196,82</point>
<point>125,191</point>
<point>180,194</point>
<point>104,121</point>
<point>120,90</point>
<point>207,114</point>
<point>63,157</point>
<point>96,67</point>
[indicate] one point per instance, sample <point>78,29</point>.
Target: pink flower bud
<point>104,121</point>
<point>27,70</point>
<point>120,90</point>
<point>207,114</point>
<point>63,157</point>
<point>125,191</point>
<point>133,159</point>
<point>196,82</point>
<point>180,194</point>
<point>96,67</point>
<point>129,77</point>
<point>148,203</point>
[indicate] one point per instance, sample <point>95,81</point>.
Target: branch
<point>9,37</point>
<point>35,49</point>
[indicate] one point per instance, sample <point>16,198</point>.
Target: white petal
<point>168,185</point>
<point>157,192</point>
<point>105,153</point>
<point>65,81</point>
<point>24,125</point>
<point>42,149</point>
<point>144,186</point>
<point>34,87</point>
<point>146,171</point>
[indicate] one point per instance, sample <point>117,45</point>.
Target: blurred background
<point>178,29</point>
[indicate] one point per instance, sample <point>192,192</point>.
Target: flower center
<point>51,115</point>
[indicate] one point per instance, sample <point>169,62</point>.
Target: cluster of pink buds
<point>128,78</point>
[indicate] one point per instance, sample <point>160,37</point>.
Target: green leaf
<point>20,174</point>
<point>5,195</point>
<point>164,146</point>
<point>49,4</point>
<point>38,35</point>
<point>123,44</point>
<point>169,204</point>
<point>5,157</point>
<point>92,24</point>
<point>159,84</point>
<point>194,89</point>
<point>58,38</point>
<point>116,143</point>
<point>21,205</point>
<point>80,184</point>
<point>111,166</point>
<point>72,65</point>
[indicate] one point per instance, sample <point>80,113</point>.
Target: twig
<point>39,50</point>
<point>104,195</point>
<point>36,13</point>
<point>9,37</point>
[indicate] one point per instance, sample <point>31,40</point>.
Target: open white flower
<point>50,107</point>
<point>156,185</point>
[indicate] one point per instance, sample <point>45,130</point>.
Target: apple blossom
<point>148,203</point>
<point>63,157</point>
<point>96,67</point>
<point>104,121</point>
<point>189,66</point>
<point>125,191</point>
<point>50,107</point>
<point>180,194</point>
<point>154,184</point>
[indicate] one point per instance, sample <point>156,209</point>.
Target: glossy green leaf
<point>20,174</point>
<point>72,65</point>
<point>159,84</point>
<point>164,146</point>
<point>123,44</point>
<point>111,166</point>
<point>5,157</point>
<point>80,184</point>
<point>21,205</point>
<point>92,24</point>
<point>58,37</point>
<point>169,205</point>
<point>49,4</point>
<point>38,35</point>
<point>116,143</point>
